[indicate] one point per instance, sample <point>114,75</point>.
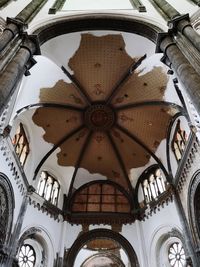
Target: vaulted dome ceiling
<point>109,117</point>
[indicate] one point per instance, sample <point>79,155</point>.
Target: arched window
<point>152,184</point>
<point>21,144</point>
<point>27,256</point>
<point>176,255</point>
<point>179,141</point>
<point>100,197</point>
<point>48,187</point>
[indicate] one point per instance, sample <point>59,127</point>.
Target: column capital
<point>20,24</point>
<point>179,23</point>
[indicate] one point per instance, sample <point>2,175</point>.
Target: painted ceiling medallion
<point>99,117</point>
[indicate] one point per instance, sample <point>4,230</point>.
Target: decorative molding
<point>155,206</point>
<point>186,162</point>
<point>30,232</point>
<point>14,165</point>
<point>45,207</point>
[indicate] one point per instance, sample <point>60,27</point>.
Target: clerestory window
<point>153,184</point>
<point>21,144</point>
<point>48,187</point>
<point>179,141</point>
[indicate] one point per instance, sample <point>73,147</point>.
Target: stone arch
<point>161,239</point>
<point>7,205</point>
<point>116,22</point>
<point>100,233</point>
<point>41,242</point>
<point>194,207</point>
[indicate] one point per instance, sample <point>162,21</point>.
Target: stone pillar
<point>14,71</point>
<point>186,73</point>
<point>9,33</point>
<point>138,4</point>
<point>58,4</point>
<point>18,24</point>
<point>197,2</point>
<point>11,261</point>
<point>178,22</point>
<point>186,233</point>
<point>169,11</point>
<point>30,11</point>
<point>4,2</point>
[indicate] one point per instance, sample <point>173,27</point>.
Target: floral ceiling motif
<point>112,117</point>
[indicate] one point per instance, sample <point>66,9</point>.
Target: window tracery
<point>179,141</point>
<point>48,187</point>
<point>21,144</point>
<point>176,255</point>
<point>100,197</point>
<point>27,256</point>
<point>153,184</point>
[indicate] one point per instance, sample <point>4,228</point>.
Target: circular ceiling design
<point>99,117</point>
<point>111,117</point>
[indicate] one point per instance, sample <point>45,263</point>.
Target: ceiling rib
<point>50,105</point>
<point>150,103</point>
<point>81,155</point>
<point>139,142</point>
<point>65,138</point>
<point>79,87</point>
<point>121,163</point>
<point>124,78</point>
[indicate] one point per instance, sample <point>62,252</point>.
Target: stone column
<point>58,4</point>
<point>9,33</point>
<point>186,73</point>
<point>138,4</point>
<point>16,233</point>
<point>4,2</point>
<point>14,71</point>
<point>18,24</point>
<point>178,22</point>
<point>197,2</point>
<point>30,11</point>
<point>169,11</point>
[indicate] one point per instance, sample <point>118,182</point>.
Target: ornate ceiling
<point>112,115</point>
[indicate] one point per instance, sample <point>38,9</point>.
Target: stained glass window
<point>48,187</point>
<point>179,141</point>
<point>100,197</point>
<point>176,255</point>
<point>21,144</point>
<point>26,256</point>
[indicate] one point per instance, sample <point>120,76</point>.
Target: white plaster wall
<point>51,230</point>
<point>156,226</point>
